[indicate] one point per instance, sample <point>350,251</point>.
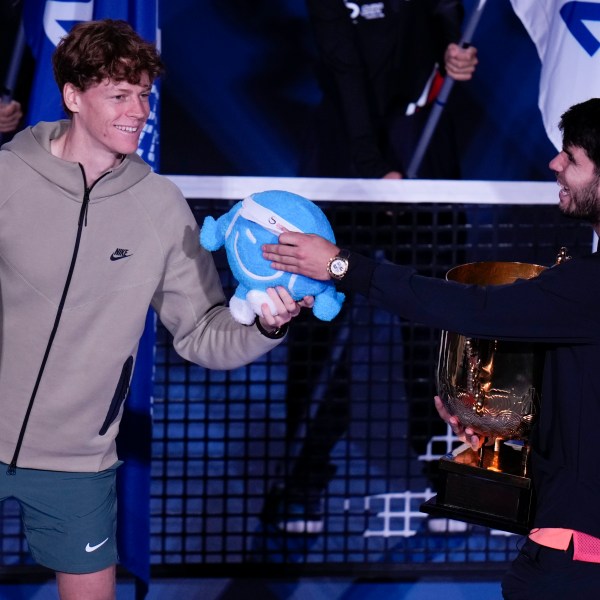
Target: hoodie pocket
<point>119,395</point>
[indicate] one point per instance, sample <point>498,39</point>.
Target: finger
<point>442,410</point>
<point>276,299</point>
<point>290,305</point>
<point>267,316</point>
<point>307,302</point>
<point>289,238</point>
<point>288,267</point>
<point>278,253</point>
<point>285,306</point>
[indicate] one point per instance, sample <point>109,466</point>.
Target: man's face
<point>111,115</point>
<point>579,195</point>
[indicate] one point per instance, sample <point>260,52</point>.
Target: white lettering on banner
<point>64,11</point>
<point>366,11</point>
<point>353,8</point>
<point>372,11</point>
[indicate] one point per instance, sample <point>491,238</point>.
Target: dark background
<point>241,84</point>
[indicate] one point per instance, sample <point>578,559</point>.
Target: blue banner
<point>566,37</point>
<point>45,23</point>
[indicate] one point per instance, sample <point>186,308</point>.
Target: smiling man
<point>559,310</point>
<point>89,239</point>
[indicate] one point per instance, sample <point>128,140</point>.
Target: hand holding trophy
<point>488,388</point>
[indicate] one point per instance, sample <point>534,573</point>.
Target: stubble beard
<point>585,203</point>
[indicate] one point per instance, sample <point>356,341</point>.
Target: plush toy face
<point>244,250</point>
<point>257,220</point>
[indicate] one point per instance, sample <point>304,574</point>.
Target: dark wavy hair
<point>108,49</point>
<point>580,126</point>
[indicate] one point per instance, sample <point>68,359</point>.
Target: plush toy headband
<point>265,217</point>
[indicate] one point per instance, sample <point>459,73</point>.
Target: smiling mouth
<point>564,190</point>
<point>247,271</point>
<point>126,129</point>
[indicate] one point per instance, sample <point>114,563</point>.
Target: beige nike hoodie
<point>75,288</point>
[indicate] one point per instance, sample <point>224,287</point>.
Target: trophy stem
<point>489,456</point>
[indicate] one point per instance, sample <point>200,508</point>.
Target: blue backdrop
<point>241,85</point>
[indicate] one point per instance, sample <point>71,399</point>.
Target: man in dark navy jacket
<point>559,310</point>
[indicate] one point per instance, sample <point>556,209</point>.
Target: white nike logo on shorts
<point>89,548</point>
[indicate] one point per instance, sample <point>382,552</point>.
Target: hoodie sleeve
<point>190,300</point>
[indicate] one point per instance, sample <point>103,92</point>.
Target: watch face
<point>339,266</point>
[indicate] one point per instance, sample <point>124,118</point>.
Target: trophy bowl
<point>490,385</point>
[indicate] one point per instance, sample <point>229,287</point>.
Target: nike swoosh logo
<point>119,256</point>
<point>89,548</point>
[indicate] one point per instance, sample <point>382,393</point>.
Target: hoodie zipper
<point>82,222</point>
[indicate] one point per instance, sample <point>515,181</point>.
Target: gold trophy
<point>493,386</point>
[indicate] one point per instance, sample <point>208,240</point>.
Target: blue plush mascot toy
<point>258,220</point>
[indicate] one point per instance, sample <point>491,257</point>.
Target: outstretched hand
<point>286,308</point>
<point>465,434</point>
<point>303,253</point>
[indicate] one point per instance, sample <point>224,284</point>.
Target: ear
<point>71,96</point>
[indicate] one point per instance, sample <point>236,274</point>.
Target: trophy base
<point>473,488</point>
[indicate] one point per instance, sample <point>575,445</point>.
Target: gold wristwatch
<point>337,266</point>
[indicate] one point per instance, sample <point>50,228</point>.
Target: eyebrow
<point>567,150</point>
<point>121,86</point>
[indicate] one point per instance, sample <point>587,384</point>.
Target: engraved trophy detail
<point>493,386</point>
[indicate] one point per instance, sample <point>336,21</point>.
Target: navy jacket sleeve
<point>561,305</point>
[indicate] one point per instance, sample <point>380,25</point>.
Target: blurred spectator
<point>381,66</point>
<point>12,111</point>
<point>10,116</point>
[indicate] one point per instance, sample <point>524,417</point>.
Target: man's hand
<point>304,253</point>
<point>465,434</point>
<point>285,307</point>
<point>10,115</point>
<point>460,62</point>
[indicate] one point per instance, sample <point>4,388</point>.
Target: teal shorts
<point>70,519</point>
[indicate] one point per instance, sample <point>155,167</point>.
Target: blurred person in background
<point>381,65</point>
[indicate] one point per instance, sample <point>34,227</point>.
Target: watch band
<point>276,334</point>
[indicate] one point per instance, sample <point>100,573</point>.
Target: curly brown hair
<point>580,126</point>
<point>107,49</point>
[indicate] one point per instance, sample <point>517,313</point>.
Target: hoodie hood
<point>32,146</point>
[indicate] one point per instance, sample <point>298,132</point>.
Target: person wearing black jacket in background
<point>12,110</point>
<point>381,64</point>
<point>380,67</point>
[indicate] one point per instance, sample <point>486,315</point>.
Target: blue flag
<point>566,35</point>
<point>45,23</point>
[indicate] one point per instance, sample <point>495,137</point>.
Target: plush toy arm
<point>211,236</point>
<point>241,310</point>
<point>328,304</point>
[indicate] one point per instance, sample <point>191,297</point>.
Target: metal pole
<point>440,102</point>
<point>10,80</point>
